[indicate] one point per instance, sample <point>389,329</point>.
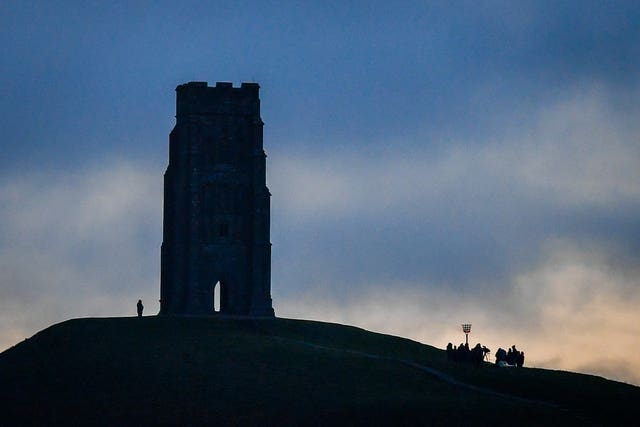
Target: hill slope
<point>199,371</point>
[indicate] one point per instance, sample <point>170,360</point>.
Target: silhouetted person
<point>449,352</point>
<point>510,357</point>
<point>520,359</point>
<point>501,355</point>
<point>463,353</point>
<point>477,355</point>
<point>514,355</point>
<point>140,308</point>
<point>485,353</point>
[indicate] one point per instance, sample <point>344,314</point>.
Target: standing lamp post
<point>466,328</point>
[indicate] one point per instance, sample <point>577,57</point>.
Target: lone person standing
<point>140,308</point>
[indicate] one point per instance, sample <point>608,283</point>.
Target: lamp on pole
<point>466,328</point>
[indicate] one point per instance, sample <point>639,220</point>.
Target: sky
<point>431,164</point>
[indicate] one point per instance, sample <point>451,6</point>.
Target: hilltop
<point>208,370</point>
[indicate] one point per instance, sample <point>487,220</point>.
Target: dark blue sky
<point>98,79</point>
<point>421,154</point>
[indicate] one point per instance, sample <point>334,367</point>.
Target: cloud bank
<point>572,311</point>
<point>532,234</point>
<point>76,244</point>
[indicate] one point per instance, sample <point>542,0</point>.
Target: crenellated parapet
<point>198,98</point>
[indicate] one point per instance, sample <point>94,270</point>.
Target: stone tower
<point>216,205</point>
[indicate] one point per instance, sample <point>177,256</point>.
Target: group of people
<point>513,357</point>
<point>462,353</point>
<point>477,354</point>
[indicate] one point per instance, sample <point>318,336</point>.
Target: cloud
<point>582,152</point>
<point>573,311</point>
<point>80,243</point>
<point>575,151</point>
<point>531,234</point>
<point>462,212</point>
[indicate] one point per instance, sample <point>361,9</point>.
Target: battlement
<point>198,98</point>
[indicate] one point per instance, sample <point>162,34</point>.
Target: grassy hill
<point>213,371</point>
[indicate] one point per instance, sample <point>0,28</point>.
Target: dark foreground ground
<point>212,371</point>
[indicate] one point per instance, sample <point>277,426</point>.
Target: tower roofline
<point>223,98</point>
<point>219,85</point>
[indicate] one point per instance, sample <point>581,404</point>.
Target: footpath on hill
<point>434,372</point>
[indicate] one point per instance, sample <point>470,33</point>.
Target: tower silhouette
<point>216,252</point>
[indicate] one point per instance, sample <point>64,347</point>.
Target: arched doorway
<point>217,292</point>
